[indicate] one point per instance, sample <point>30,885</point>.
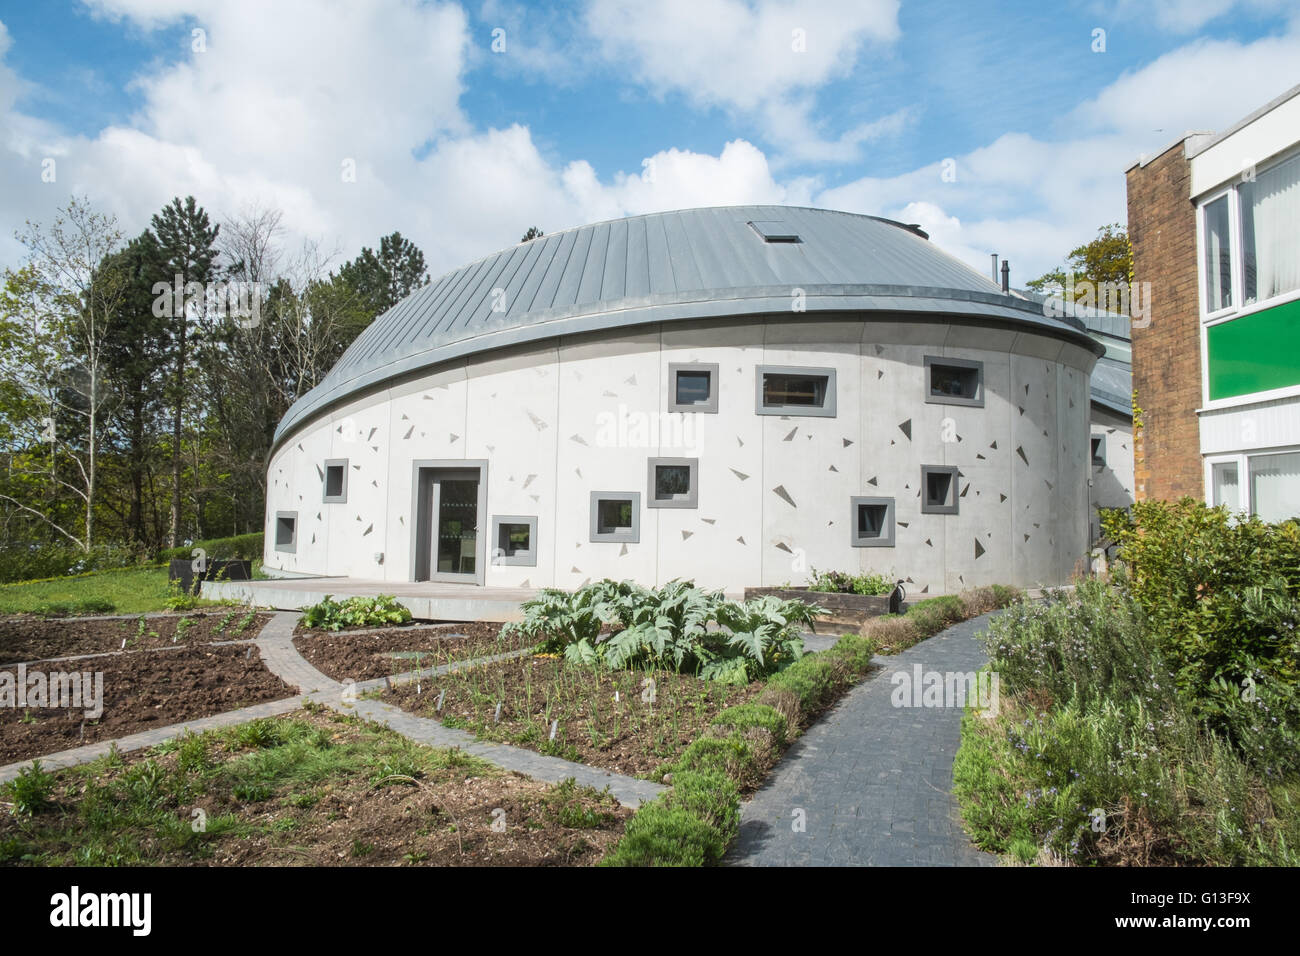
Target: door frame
<point>422,474</point>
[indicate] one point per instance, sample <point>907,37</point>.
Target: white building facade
<point>734,395</point>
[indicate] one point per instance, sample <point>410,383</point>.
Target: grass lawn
<point>128,591</point>
<point>314,788</point>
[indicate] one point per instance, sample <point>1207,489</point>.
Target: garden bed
<point>141,691</point>
<point>631,735</point>
<point>37,639</point>
<point>367,654</point>
<point>844,612</point>
<point>312,788</point>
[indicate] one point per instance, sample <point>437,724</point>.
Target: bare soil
<point>632,735</point>
<point>38,639</point>
<point>140,692</point>
<point>345,655</point>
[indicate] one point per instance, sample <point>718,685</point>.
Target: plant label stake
<point>440,697</point>
<point>249,656</point>
<point>554,724</point>
<point>388,683</point>
<point>498,715</point>
<point>124,643</point>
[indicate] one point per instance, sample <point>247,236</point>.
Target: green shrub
<point>32,791</point>
<point>744,716</point>
<point>32,561</point>
<point>84,608</point>
<point>378,611</point>
<point>841,582</point>
<point>246,546</point>
<point>676,627</point>
<point>933,615</point>
<point>663,835</point>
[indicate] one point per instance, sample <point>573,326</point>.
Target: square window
<point>673,483</point>
<point>787,390</point>
<point>286,531</point>
<point>616,516</point>
<point>938,490</point>
<point>514,540</point>
<point>693,388</point>
<point>336,481</point>
<point>872,523</point>
<point>951,381</point>
<point>1099,451</point>
<point>1274,486</point>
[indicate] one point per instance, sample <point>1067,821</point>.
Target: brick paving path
<point>874,780</point>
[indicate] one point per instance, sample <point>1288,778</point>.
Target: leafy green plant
<point>32,791</point>
<point>841,582</point>
<point>378,611</point>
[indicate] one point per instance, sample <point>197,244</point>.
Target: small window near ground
<point>514,540</point>
<point>693,388</point>
<point>872,522</point>
<point>951,381</point>
<point>1099,451</point>
<point>336,481</point>
<point>783,390</point>
<point>1227,486</point>
<point>938,490</point>
<point>1274,486</point>
<point>286,531</point>
<point>616,516</point>
<point>673,483</point>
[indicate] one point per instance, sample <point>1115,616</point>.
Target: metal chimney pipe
<point>995,266</point>
<point>1006,276</point>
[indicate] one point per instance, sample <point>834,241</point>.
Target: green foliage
<point>245,546</point>
<point>31,792</point>
<point>378,611</point>
<point>676,627</point>
<point>30,562</point>
<point>1220,594</point>
<point>841,582</point>
<point>818,679</point>
<point>1108,258</point>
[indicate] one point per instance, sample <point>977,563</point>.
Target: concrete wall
<point>560,420</point>
<point>1112,483</point>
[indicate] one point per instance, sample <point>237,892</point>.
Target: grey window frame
<point>827,410</point>
<point>629,536</point>
<point>526,559</point>
<point>342,497</point>
<point>705,408</point>
<point>690,500</point>
<point>1099,456</point>
<point>291,547</point>
<point>886,537</point>
<point>931,509</point>
<point>932,399</point>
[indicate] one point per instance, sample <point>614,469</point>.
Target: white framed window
<point>1266,484</point>
<point>794,390</point>
<point>1216,262</point>
<point>335,485</point>
<point>693,387</point>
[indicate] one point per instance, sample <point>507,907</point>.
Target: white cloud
<point>1187,16</point>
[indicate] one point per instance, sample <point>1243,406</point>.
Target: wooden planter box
<point>844,612</point>
<point>218,569</point>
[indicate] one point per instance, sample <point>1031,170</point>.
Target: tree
<point>1108,258</point>
<point>55,321</point>
<point>532,233</point>
<point>187,251</point>
<point>383,279</point>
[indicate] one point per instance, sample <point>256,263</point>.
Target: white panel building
<point>734,395</point>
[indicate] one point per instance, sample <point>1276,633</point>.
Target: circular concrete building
<point>734,395</point>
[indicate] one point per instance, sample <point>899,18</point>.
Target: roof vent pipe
<point>1006,276</point>
<point>995,267</point>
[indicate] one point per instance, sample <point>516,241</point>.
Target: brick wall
<point>1167,353</point>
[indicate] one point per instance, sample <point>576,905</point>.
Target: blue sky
<point>608,107</point>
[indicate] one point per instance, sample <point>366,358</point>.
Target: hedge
<point>240,546</point>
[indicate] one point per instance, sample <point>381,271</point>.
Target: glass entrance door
<point>455,525</point>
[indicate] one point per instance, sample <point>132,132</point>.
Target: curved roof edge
<point>828,301</point>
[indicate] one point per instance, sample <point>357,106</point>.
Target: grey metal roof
<point>687,264</point>
<point>1112,378</point>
